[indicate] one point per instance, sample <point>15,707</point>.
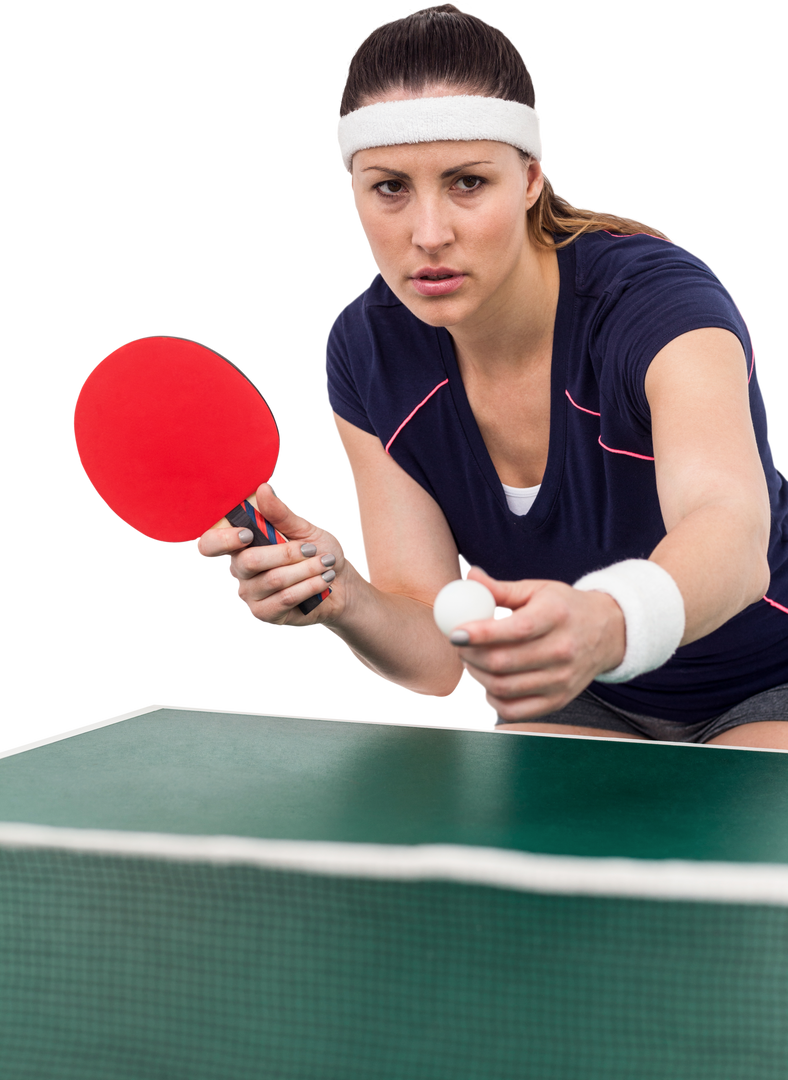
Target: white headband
<point>463,118</point>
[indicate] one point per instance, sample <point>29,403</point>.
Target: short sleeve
<point>343,392</point>
<point>661,293</point>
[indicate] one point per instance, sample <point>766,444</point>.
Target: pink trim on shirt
<point>752,367</point>
<point>775,604</point>
<point>629,454</point>
<point>580,406</point>
<point>411,415</point>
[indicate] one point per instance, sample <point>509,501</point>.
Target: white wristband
<point>653,614</point>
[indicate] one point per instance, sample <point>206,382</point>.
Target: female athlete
<point>565,398</point>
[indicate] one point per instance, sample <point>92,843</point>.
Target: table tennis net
<point>219,966</point>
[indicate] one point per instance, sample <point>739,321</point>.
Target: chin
<point>436,317</point>
<point>438,314</point>
<point>437,311</point>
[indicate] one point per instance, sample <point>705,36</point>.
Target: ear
<point>535,181</point>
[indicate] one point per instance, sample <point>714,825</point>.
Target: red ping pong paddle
<point>171,434</point>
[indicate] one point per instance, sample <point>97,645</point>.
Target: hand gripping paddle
<point>171,434</point>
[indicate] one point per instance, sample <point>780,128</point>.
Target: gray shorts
<point>588,710</point>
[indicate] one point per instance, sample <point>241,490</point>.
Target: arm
<point>388,621</point>
<point>712,489</point>
<point>714,502</point>
<point>411,555</point>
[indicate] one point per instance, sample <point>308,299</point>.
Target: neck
<point>516,330</point>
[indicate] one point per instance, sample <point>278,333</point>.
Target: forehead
<point>434,157</point>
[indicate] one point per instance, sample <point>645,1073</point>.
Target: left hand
<point>549,649</point>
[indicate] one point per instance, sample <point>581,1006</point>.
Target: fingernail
<point>459,637</point>
<point>328,560</point>
<point>308,550</point>
<point>246,536</point>
<point>328,576</point>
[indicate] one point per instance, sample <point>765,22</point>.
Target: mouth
<point>437,281</point>
<point>436,273</point>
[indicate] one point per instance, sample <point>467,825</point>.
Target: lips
<point>437,285</point>
<point>436,272</point>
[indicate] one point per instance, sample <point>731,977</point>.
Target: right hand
<point>275,579</point>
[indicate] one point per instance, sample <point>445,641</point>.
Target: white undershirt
<point>520,500</point>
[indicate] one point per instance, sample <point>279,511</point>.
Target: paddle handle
<point>247,516</point>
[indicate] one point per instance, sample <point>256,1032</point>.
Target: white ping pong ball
<point>460,602</point>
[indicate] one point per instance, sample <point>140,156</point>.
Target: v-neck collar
<point>551,481</point>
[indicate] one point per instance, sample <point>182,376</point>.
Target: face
<point>446,222</point>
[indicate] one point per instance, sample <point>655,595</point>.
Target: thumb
<point>290,525</point>
<point>508,594</point>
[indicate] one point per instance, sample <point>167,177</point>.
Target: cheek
<point>369,224</point>
<point>488,236</point>
<point>503,228</point>
<point>377,232</point>
<point>385,239</point>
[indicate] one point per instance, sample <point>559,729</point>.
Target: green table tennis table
<point>204,896</point>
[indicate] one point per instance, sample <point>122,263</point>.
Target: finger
<point>508,686</point>
<point>282,603</point>
<point>528,708</point>
<point>513,658</point>
<point>223,541</point>
<point>534,620</point>
<point>282,517</point>
<point>269,557</point>
<point>282,576</point>
<point>227,541</point>
<point>509,594</point>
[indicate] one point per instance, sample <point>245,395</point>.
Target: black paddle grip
<point>245,516</point>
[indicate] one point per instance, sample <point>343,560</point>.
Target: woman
<point>563,397</point>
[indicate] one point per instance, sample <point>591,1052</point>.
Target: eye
<point>477,180</point>
<point>478,183</point>
<point>388,194</point>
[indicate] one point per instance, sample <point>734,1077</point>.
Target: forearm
<point>395,636</point>
<point>717,555</point>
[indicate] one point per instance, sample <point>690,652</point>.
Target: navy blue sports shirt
<point>621,300</point>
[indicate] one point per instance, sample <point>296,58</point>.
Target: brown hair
<point>444,45</point>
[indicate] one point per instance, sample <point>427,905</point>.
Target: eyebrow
<point>444,175</point>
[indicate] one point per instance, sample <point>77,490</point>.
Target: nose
<point>432,227</point>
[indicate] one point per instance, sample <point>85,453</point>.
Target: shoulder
<point>373,305</point>
<point>609,262</point>
<point>377,330</point>
<point>642,291</point>
<point>379,358</point>
<point>639,294</point>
